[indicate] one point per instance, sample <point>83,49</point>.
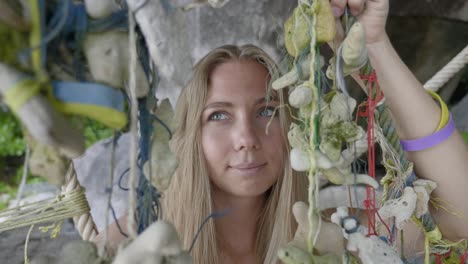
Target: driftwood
<point>44,123</point>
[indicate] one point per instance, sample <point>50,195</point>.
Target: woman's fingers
<point>371,13</point>
<point>356,6</point>
<point>338,7</point>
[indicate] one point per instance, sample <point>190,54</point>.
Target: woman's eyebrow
<point>218,104</point>
<point>259,101</point>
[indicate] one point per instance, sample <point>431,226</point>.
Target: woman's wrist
<point>377,47</point>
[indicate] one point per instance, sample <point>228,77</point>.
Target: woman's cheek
<point>214,140</point>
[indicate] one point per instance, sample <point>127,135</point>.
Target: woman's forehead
<point>238,78</point>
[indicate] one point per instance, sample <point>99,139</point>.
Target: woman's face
<point>242,159</point>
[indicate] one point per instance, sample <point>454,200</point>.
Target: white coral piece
<point>342,106</point>
<point>423,189</point>
<point>372,250</point>
<point>299,160</point>
<point>158,244</point>
<point>296,137</point>
<point>163,160</point>
<point>401,208</point>
<point>343,176</point>
<point>292,76</point>
<point>107,56</point>
<point>300,96</point>
<point>354,46</point>
<point>329,238</point>
<point>101,8</point>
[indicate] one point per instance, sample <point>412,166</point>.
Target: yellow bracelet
<point>444,112</point>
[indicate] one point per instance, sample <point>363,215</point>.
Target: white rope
<point>66,205</point>
<point>83,223</point>
<point>26,244</point>
<point>24,176</point>
<point>448,71</point>
<point>133,127</point>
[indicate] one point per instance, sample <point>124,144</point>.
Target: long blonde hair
<point>188,200</point>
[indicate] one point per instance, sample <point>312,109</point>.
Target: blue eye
<point>216,116</point>
<point>267,111</point>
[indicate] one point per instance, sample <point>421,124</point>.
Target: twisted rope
<point>66,205</point>
<point>448,71</point>
<point>312,190</point>
<point>433,240</point>
<point>84,223</point>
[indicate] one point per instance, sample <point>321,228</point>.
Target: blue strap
<point>117,20</point>
<point>88,93</point>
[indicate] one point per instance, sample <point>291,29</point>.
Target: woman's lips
<point>248,168</point>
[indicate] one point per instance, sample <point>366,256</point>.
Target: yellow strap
<point>444,112</point>
<point>108,116</point>
<point>431,236</point>
<point>426,251</point>
<point>434,235</point>
<point>20,93</point>
<point>35,38</point>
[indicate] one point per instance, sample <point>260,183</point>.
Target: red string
<point>464,257</point>
<point>440,257</point>
<point>372,101</point>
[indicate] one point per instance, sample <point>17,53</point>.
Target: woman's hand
<point>371,13</point>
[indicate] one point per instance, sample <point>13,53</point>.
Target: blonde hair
<point>188,200</point>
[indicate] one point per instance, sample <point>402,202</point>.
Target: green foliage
<point>10,189</point>
<point>12,43</point>
<point>11,136</point>
<point>95,131</point>
<point>12,144</point>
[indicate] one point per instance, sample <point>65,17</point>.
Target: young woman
<point>231,159</point>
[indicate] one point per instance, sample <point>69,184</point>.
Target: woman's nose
<point>246,135</point>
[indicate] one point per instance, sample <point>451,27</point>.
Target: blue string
<point>120,180</point>
<point>410,180</point>
<point>68,18</point>
<point>212,215</point>
<point>117,221</point>
<point>42,17</point>
<point>147,195</point>
<point>58,21</point>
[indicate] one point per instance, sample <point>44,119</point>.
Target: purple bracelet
<point>431,140</point>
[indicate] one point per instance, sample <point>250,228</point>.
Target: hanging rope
<point>24,176</point>
<point>83,223</point>
<point>448,71</point>
<point>133,128</point>
<point>313,204</point>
